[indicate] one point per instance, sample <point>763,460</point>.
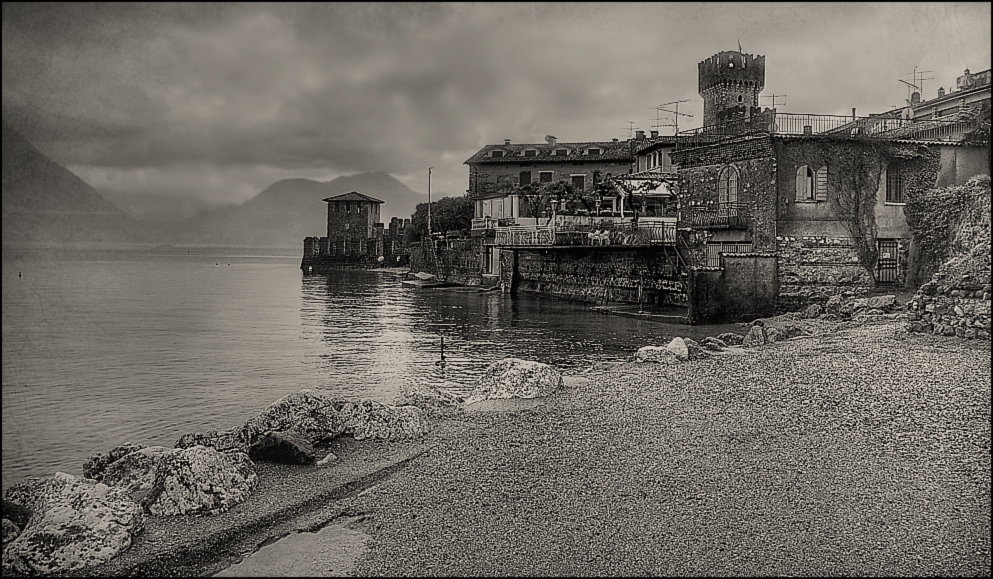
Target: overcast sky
<point>221,100</point>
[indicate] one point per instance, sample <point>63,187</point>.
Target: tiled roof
<point>655,143</point>
<point>654,173</point>
<point>353,196</point>
<point>514,152</point>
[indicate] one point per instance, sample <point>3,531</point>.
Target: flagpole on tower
<point>429,201</point>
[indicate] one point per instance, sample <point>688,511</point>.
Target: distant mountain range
<point>159,210</point>
<point>289,210</point>
<point>44,201</point>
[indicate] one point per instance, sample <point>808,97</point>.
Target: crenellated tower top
<point>730,83</point>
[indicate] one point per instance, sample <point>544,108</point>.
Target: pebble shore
<point>863,451</point>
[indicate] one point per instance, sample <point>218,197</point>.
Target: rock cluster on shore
<point>72,523</point>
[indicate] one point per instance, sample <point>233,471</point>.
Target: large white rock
<point>679,349</point>
<point>430,399</point>
<point>516,378</point>
<point>183,481</point>
<point>369,419</point>
<point>313,414</point>
<point>658,354</point>
<point>77,523</point>
<point>756,336</point>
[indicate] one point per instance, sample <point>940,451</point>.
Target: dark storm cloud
<point>222,99</point>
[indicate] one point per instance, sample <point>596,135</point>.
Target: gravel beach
<point>862,451</point>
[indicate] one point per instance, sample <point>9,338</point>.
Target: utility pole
<point>429,202</point>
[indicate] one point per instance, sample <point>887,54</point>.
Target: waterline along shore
<point>861,450</point>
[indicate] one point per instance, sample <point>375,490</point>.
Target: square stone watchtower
<point>730,83</point>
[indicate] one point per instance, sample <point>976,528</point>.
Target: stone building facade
<point>355,235</point>
<point>496,169</point>
<point>786,194</point>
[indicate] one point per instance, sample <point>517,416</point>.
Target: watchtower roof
<point>352,196</point>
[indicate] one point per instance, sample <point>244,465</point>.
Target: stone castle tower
<point>730,83</point>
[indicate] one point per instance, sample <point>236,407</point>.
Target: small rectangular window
<point>525,178</point>
<point>545,176</point>
<point>530,153</point>
<point>561,152</point>
<point>579,183</point>
<point>895,183</point>
<point>594,151</point>
<point>496,154</point>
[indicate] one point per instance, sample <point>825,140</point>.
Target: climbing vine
<point>857,184</point>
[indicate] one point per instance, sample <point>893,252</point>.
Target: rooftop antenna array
<point>774,97</point>
<point>630,129</point>
<point>675,114</point>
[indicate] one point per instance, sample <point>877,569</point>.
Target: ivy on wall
<point>855,196</point>
<point>937,217</point>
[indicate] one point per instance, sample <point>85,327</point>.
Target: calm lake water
<point>102,347</point>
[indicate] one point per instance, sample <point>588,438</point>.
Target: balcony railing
<point>656,232</point>
<point>723,216</point>
<point>804,124</point>
<point>479,223</point>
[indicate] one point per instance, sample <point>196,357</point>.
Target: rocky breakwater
<point>66,523</point>
<point>760,333</point>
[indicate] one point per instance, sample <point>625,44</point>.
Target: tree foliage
<point>448,214</point>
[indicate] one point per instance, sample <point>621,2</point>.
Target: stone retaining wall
<point>962,313</point>
<point>812,269</point>
<point>599,275</point>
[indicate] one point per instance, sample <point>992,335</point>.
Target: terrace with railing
<point>805,124</point>
<point>657,231</point>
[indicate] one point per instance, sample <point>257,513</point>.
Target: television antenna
<point>774,97</point>
<point>630,129</point>
<point>675,113</point>
<point>919,78</point>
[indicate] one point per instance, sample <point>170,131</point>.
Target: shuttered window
<point>821,187</point>
<point>895,183</point>
<point>525,178</point>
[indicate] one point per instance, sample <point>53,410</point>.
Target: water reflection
<point>377,334</point>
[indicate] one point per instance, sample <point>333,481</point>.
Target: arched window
<point>727,185</point>
<point>804,183</point>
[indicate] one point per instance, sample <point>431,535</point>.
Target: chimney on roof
<point>941,92</point>
<point>639,135</point>
<point>506,141</point>
<point>615,140</point>
<point>655,134</point>
<point>915,98</point>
